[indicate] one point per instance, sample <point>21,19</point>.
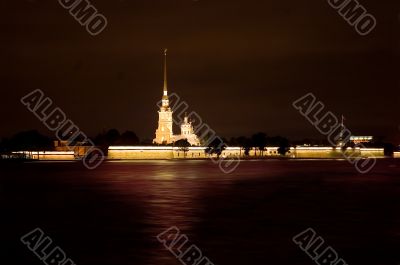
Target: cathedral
<point>164,132</point>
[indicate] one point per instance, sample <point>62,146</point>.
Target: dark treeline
<point>260,141</point>
<point>28,140</point>
<point>33,140</point>
<point>114,137</point>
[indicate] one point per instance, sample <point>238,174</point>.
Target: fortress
<point>164,136</point>
<point>165,139</point>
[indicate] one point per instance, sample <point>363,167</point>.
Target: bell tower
<point>164,133</point>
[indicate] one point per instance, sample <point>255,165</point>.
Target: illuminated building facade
<point>164,132</point>
<point>361,139</point>
<point>187,132</point>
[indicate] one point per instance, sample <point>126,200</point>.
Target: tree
<point>217,146</point>
<point>284,146</point>
<point>183,145</point>
<point>27,141</point>
<point>260,141</point>
<point>245,144</point>
<point>112,136</point>
<point>147,142</point>
<point>128,138</point>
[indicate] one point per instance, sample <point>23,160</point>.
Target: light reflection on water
<point>112,215</point>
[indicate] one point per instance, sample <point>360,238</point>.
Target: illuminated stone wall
<point>48,155</point>
<point>372,152</point>
<point>140,154</point>
<point>137,152</point>
<point>331,152</point>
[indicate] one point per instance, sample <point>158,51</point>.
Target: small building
<point>361,139</point>
<point>79,149</point>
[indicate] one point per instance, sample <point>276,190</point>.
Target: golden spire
<point>165,72</point>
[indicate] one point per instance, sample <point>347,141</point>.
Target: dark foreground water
<point>113,214</point>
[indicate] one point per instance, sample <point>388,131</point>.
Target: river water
<point>112,215</point>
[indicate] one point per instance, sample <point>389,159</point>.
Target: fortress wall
<point>199,154</point>
<point>140,154</point>
<point>48,155</point>
<point>169,152</point>
<point>372,152</point>
<point>331,152</point>
<point>269,151</point>
<point>310,152</point>
<point>54,157</point>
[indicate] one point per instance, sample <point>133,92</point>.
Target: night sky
<point>238,64</point>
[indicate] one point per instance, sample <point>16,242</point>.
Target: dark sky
<point>239,64</point>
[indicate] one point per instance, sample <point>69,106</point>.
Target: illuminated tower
<point>186,126</point>
<point>164,134</point>
<point>187,132</point>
